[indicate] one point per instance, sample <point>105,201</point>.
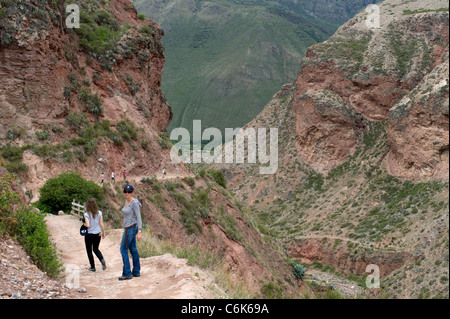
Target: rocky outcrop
<point>418,129</point>
<point>361,74</point>
<point>70,106</point>
<point>367,105</point>
<point>345,261</point>
<point>330,10</point>
<point>326,125</point>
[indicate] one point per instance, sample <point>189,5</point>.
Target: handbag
<point>83,229</point>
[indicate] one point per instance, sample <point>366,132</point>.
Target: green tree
<point>58,193</point>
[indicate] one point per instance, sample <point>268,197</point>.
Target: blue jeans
<point>129,243</point>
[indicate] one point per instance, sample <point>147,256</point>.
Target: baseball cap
<point>128,188</point>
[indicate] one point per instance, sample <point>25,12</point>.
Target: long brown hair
<point>91,207</point>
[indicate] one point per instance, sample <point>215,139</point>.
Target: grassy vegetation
<point>403,49</point>
<point>349,51</point>
<point>99,31</point>
<point>213,67</point>
<point>398,200</point>
<point>28,227</point>
<point>77,148</point>
<point>151,246</point>
<point>368,209</point>
<point>407,12</point>
<point>193,209</point>
<point>382,202</point>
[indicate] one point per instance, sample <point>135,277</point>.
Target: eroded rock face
<point>344,260</point>
<point>418,129</point>
<point>362,75</point>
<point>327,128</point>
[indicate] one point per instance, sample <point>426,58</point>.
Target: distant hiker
<point>132,222</point>
<point>113,178</point>
<point>103,178</point>
<point>93,220</point>
<point>124,175</point>
<point>164,172</point>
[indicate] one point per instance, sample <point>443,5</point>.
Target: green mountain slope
<point>225,59</point>
<point>331,10</point>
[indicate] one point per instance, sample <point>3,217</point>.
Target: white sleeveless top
<point>94,223</point>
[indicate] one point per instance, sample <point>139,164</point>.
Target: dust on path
<point>162,277</point>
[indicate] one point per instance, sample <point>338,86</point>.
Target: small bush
<point>299,270</point>
<point>218,177</point>
<point>14,133</point>
<point>202,172</point>
<point>190,181</point>
<point>12,153</point>
<point>67,156</point>
<point>147,30</point>
<point>127,130</point>
<point>92,102</point>
<point>156,185</point>
<point>134,87</point>
<point>29,228</point>
<point>75,120</point>
<point>115,137</point>
<point>144,145</point>
<point>164,141</point>
<point>103,17</point>
<point>42,136</point>
<point>98,32</point>
<point>33,234</point>
<point>16,167</point>
<point>90,147</point>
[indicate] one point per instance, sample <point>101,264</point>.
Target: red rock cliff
<point>73,103</point>
<point>395,73</point>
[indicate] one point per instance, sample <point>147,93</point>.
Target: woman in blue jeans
<point>132,222</point>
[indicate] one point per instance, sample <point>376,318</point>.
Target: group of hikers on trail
<point>113,177</point>
<point>132,223</point>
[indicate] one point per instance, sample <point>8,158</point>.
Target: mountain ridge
<point>89,100</point>
<point>230,57</point>
<point>363,139</point>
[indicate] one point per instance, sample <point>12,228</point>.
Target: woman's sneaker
<point>92,269</point>
<point>121,278</point>
<point>103,264</point>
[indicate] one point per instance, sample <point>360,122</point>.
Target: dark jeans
<point>129,243</point>
<point>92,242</point>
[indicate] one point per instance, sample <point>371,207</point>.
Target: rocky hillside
<point>21,279</point>
<point>199,216</point>
<point>363,174</point>
<point>90,100</point>
<point>363,74</point>
<point>330,10</point>
<point>86,99</point>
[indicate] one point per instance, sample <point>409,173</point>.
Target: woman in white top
<point>93,220</point>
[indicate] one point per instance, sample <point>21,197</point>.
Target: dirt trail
<point>162,277</point>
<point>159,176</point>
